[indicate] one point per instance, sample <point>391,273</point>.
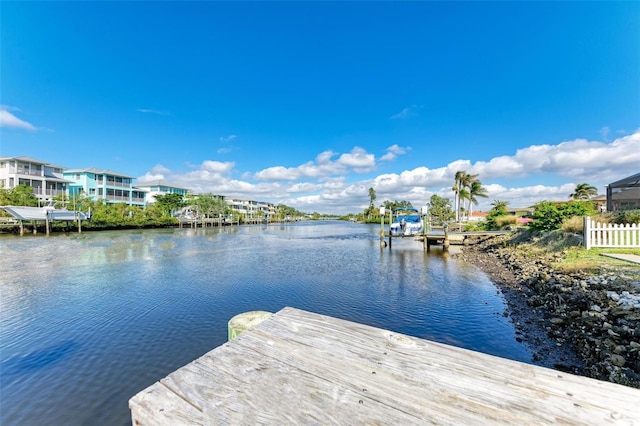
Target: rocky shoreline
<point>579,323</point>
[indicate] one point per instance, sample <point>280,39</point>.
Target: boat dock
<point>445,238</point>
<point>35,215</point>
<point>298,367</point>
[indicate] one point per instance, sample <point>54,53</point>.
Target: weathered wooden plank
<point>252,388</point>
<point>385,390</point>
<point>300,367</point>
<point>483,379</point>
<point>158,405</point>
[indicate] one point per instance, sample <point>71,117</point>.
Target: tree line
<point>467,189</point>
<point>158,214</point>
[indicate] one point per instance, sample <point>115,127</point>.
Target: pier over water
<point>298,367</point>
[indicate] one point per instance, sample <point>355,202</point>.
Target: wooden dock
<point>299,367</point>
<point>437,237</point>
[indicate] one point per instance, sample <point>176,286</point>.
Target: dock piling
<point>245,321</point>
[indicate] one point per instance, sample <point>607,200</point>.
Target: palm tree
<point>500,205</point>
<point>463,194</point>
<point>372,198</point>
<point>476,190</point>
<point>457,187</point>
<point>465,186</point>
<point>584,191</point>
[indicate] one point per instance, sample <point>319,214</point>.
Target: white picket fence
<point>610,235</point>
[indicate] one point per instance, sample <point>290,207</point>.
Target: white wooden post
<point>587,232</point>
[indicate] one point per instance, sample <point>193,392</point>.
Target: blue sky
<point>312,103</point>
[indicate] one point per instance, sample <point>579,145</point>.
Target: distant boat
<point>43,213</point>
<point>407,222</point>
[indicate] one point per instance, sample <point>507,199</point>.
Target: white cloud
<point>528,195</point>
<point>302,188</point>
<point>357,161</point>
<point>8,119</point>
<point>278,173</point>
<point>157,172</point>
<point>578,159</point>
<point>217,166</point>
<point>152,111</point>
<point>329,183</point>
<point>406,113</point>
<point>227,138</point>
<point>393,151</point>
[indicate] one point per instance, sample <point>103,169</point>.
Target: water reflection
<point>94,318</point>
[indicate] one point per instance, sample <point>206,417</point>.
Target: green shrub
<point>546,217</point>
<point>628,216</point>
<point>574,225</point>
<point>474,226</point>
<point>505,222</point>
<point>549,216</point>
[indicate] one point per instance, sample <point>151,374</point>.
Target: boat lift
<point>45,214</point>
<point>426,227</point>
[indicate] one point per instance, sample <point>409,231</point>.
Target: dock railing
<point>598,234</point>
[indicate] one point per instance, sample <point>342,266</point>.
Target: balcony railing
<point>117,198</point>
<point>118,184</point>
<point>18,171</point>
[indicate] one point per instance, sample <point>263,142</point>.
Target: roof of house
<point>159,182</point>
<point>97,171</point>
<point>26,159</point>
<point>633,180</point>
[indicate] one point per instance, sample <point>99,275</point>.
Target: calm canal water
<point>88,320</point>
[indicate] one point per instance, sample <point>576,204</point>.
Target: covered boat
<point>407,222</point>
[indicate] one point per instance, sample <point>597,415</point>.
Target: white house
<point>159,187</point>
<point>46,179</point>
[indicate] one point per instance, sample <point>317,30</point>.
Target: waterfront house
<point>252,209</point>
<point>624,194</point>
<point>46,179</point>
<point>100,184</point>
<point>159,187</point>
<point>49,180</point>
<point>268,210</point>
<point>248,208</point>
